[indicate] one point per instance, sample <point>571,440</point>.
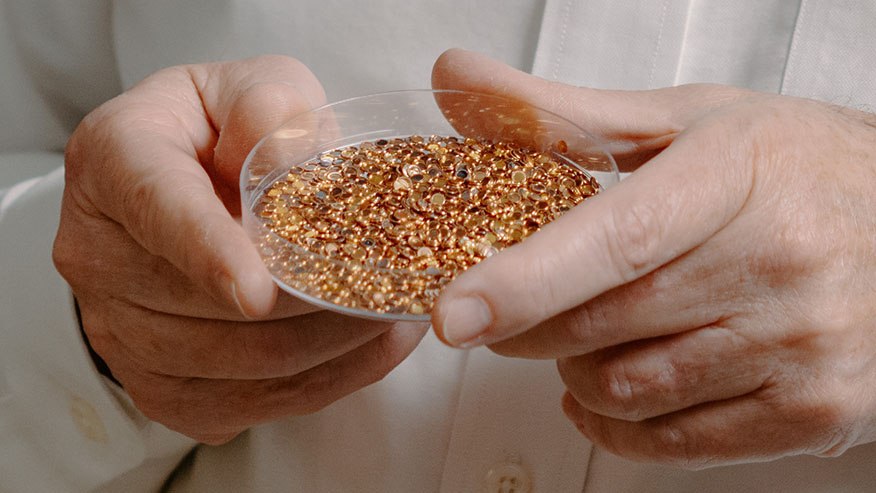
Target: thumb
<point>634,125</point>
<point>651,218</point>
<point>622,234</point>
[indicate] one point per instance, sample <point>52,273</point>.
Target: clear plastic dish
<point>364,287</point>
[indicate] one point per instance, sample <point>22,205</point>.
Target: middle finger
<point>206,348</point>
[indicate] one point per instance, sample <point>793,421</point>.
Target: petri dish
<point>369,206</point>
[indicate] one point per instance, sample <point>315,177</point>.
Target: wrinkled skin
<point>717,306</point>
<point>173,295</point>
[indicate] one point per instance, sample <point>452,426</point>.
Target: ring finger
<point>648,378</point>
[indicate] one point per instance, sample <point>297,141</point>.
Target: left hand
<point>717,306</point>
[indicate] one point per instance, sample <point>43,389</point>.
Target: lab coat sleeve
<point>63,427</point>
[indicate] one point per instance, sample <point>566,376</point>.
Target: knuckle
<point>540,271</point>
<point>833,417</point>
<point>145,202</point>
<point>836,441</point>
<point>795,252</point>
<point>836,433</point>
<point>675,445</point>
<point>67,257</point>
<point>633,235</point>
<point>189,246</point>
<point>824,331</point>
<point>618,393</point>
<point>141,205</point>
<point>629,392</point>
<point>672,380</point>
<point>827,412</point>
<point>584,323</point>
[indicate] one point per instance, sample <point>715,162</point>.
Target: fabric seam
<point>658,44</point>
<point>561,49</point>
<point>792,46</point>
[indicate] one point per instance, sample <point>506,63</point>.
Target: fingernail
<point>466,320</point>
<point>237,301</point>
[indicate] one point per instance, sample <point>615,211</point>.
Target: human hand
<point>717,306</point>
<point>174,296</point>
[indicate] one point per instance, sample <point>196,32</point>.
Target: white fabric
<point>833,54</point>
<point>353,48</point>
<point>442,419</point>
<point>620,45</point>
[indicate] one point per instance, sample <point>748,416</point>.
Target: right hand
<point>173,295</point>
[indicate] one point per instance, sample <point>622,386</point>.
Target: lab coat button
<point>87,420</point>
<point>507,477</point>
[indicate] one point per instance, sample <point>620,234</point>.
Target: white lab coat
<point>444,418</point>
